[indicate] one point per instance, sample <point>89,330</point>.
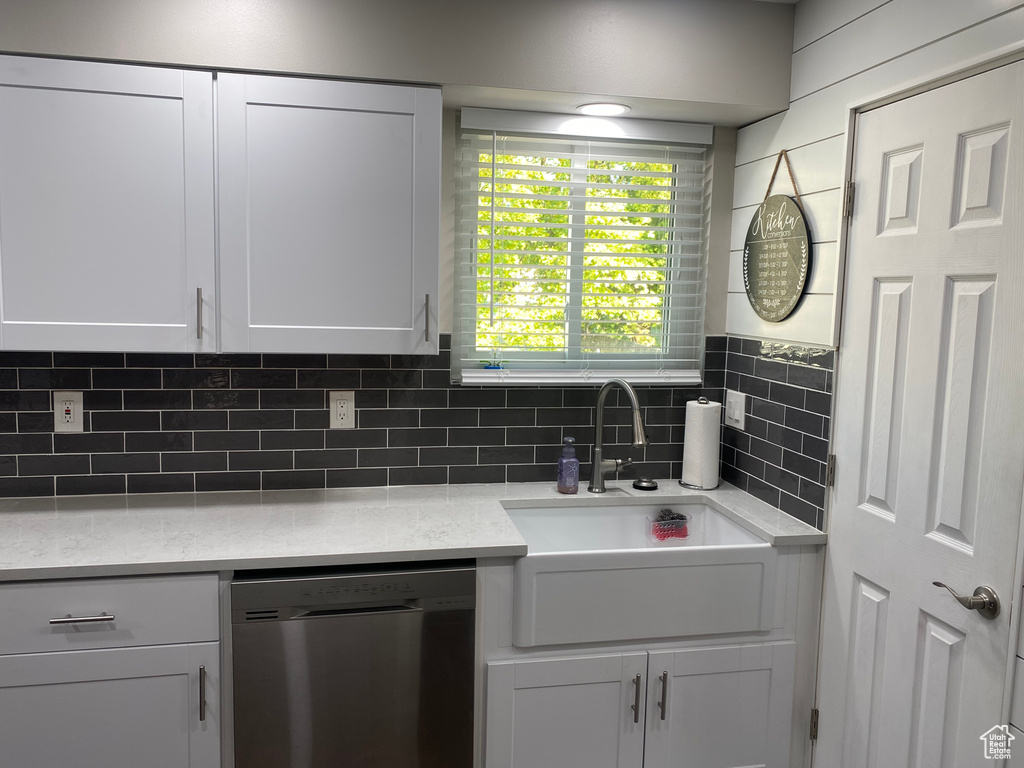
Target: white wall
<point>848,53</point>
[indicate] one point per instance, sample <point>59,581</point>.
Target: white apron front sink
<point>593,574</point>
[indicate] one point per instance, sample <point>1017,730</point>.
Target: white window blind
<point>579,260</point>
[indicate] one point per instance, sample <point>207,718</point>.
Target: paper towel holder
<point>702,401</point>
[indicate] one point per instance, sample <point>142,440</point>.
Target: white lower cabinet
<point>115,707</point>
<point>709,707</point>
<point>119,673</point>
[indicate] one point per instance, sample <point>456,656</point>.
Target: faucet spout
<point>603,466</point>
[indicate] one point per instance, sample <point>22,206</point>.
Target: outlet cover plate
<point>67,412</point>
<point>342,407</point>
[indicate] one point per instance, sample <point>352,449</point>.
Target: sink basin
<point>595,574</point>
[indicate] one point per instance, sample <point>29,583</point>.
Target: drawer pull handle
<point>202,694</point>
<point>199,313</point>
<point>426,320</point>
<point>663,704</point>
<point>69,619</point>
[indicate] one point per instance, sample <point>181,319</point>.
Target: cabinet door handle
<point>199,313</point>
<point>69,619</point>
<point>636,699</point>
<point>664,693</point>
<point>202,694</point>
<point>426,321</point>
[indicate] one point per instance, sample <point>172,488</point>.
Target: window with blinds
<point>579,260</point>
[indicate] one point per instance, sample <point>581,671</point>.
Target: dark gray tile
<point>101,400</point>
<point>312,419</point>
<point>476,436</point>
<point>399,417</point>
<point>197,378</point>
<point>417,475</point>
<point>756,427</point>
<point>244,360</point>
<point>787,395</point>
<point>714,379</point>
<point>295,361</point>
<point>781,479</point>
<point>260,460</point>
<point>769,452</point>
<point>124,421</point>
<point>534,398</point>
<point>442,360</point>
<point>516,454</point>
<point>450,417</point>
<point>26,486</point>
<point>770,369</point>
<point>803,376</point>
<point>534,473</point>
<point>30,421</point>
<point>48,464</point>
<point>8,466</point>
<point>194,420</point>
<point>159,360</point>
<point>437,380</point>
<point>302,478</point>
<point>228,481</point>
<point>359,361</point>
<point>88,360</point>
<point>26,443</point>
<point>735,344</point>
<point>417,398</point>
<point>802,465</point>
<point>309,438</point>
<point>740,363</point>
<point>476,398</point>
<point>818,402</point>
<point>399,438</point>
<point>751,465</point>
<point>336,458</point>
<point>534,436</point>
<point>228,398</point>
<point>262,419</point>
<point>734,476</point>
<point>763,491</point>
<point>786,437</point>
<point>714,361</point>
<point>246,378</point>
<point>815,447</point>
<point>127,378</point>
<point>471,474</point>
<point>716,343</point>
<point>55,378</point>
<point>762,409</point>
<point>125,463</point>
<point>390,378</point>
<point>437,456</point>
<point>388,457</point>
<point>157,400</point>
<point>564,416</point>
<point>751,385</point>
<point>371,398</point>
<point>26,360</point>
<point>194,462</point>
<point>508,417</point>
<point>357,478</point>
<point>736,439</point>
<point>227,441</point>
<point>799,509</point>
<point>161,483</point>
<point>329,379</point>
<point>804,421</point>
<point>8,378</point>
<point>138,442</point>
<point>90,485</point>
<point>356,438</point>
<point>812,493</point>
<point>293,398</point>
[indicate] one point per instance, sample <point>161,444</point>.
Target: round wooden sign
<point>776,258</point>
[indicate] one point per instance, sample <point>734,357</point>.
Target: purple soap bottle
<point>568,468</point>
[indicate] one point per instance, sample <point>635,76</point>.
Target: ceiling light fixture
<point>603,109</point>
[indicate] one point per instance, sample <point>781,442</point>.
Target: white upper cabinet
<point>106,207</point>
<point>329,214</point>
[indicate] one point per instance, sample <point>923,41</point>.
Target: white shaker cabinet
<point>329,212</point>
<point>119,673</point>
<point>724,706</point>
<point>106,207</point>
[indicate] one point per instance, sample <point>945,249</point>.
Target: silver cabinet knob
<point>984,600</point>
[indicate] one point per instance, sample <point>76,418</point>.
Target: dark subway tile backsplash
<point>167,423</point>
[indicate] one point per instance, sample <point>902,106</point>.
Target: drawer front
<point>150,610</point>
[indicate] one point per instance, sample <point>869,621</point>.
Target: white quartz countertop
<point>71,537</point>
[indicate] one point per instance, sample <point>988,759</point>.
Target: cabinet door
<point>106,207</point>
<point>116,708</point>
<point>329,200</point>
<point>574,712</point>
<point>720,707</point>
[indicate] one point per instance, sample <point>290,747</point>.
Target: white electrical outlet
<point>343,409</point>
<point>67,412</point>
<point>735,409</point>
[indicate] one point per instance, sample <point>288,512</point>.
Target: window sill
<point>505,377</point>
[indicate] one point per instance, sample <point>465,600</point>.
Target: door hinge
<point>830,471</point>
<point>814,725</point>
<point>848,196</point>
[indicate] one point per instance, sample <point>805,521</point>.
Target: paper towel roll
<point>702,445</point>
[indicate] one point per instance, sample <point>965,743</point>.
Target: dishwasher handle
<point>357,611</point>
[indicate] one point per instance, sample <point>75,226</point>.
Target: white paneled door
<point>930,431</point>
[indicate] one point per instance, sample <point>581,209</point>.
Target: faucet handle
<point>623,463</point>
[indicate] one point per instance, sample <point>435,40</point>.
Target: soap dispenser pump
<point>568,468</point>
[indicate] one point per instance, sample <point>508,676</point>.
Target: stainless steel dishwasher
<point>355,668</point>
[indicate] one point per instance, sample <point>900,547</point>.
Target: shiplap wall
<point>848,53</point>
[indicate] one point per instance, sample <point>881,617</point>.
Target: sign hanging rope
<point>784,155</point>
